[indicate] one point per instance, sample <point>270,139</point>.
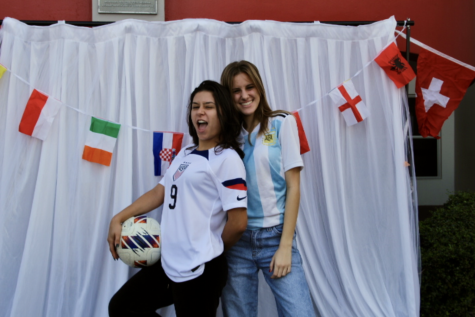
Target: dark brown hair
<point>229,117</point>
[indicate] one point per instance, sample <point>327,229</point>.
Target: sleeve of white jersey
<point>230,178</point>
<point>290,144</point>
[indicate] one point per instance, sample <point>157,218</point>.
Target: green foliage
<point>448,259</point>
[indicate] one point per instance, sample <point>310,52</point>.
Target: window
<point>427,151</point>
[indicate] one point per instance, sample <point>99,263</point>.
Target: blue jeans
<point>254,251</point>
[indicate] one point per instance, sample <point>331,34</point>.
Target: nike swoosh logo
<point>241,198</point>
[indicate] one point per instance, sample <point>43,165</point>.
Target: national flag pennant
<point>395,65</point>
<point>166,146</point>
<point>237,183</point>
<point>349,103</point>
<point>440,86</point>
<point>100,141</point>
<point>39,114</point>
<point>2,70</point>
<point>304,147</point>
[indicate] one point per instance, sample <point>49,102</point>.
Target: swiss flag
<point>349,103</point>
<point>395,66</point>
<point>440,86</point>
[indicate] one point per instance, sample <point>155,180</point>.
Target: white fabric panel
<point>357,227</point>
<point>100,141</point>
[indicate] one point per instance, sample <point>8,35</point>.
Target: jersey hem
<point>180,279</point>
<point>294,165</point>
<point>235,205</point>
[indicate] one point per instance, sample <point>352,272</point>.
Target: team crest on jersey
<point>269,138</point>
<point>181,169</point>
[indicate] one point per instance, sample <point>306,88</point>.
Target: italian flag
<point>100,141</point>
<point>39,114</point>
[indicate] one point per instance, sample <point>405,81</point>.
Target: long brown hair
<point>228,115</point>
<point>263,111</point>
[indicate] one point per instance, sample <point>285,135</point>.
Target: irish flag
<point>100,141</point>
<point>39,115</point>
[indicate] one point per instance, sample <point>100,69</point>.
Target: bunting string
<point>358,72</point>
<point>316,101</point>
<point>413,40</point>
<point>76,109</point>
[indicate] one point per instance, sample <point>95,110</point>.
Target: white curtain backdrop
<point>357,227</point>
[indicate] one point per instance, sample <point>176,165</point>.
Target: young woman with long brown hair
<point>273,165</point>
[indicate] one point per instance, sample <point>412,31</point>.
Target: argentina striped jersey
<point>267,158</point>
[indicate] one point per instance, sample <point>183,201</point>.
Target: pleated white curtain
<point>357,228</point>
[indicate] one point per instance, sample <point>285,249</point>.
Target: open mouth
<point>246,103</point>
<point>202,125</point>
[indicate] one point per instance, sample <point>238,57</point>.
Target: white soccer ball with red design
<point>140,242</point>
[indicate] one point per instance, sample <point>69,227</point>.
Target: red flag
<point>395,66</point>
<point>304,147</point>
<point>440,86</point>
<point>39,114</point>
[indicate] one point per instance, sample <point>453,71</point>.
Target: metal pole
<point>408,47</point>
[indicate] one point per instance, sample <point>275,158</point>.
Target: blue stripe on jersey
<point>237,183</point>
<point>275,164</point>
<point>254,206</point>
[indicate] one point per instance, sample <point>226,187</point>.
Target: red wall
<point>448,26</point>
<point>49,10</point>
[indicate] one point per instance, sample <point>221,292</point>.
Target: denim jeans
<point>254,251</point>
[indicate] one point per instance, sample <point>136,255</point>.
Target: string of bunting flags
<point>351,106</point>
<point>440,86</point>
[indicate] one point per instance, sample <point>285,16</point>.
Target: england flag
<point>349,103</point>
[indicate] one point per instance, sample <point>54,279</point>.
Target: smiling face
<point>245,95</point>
<point>204,115</point>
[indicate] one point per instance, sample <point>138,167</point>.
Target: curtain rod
<point>99,23</point>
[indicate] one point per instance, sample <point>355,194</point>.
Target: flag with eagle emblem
<point>395,66</point>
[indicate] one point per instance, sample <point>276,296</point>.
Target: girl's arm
<point>145,203</point>
<point>235,227</point>
<point>281,262</point>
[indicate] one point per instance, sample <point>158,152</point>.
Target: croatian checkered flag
<point>349,103</point>
<point>166,146</point>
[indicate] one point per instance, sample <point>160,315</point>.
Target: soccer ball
<point>140,242</point>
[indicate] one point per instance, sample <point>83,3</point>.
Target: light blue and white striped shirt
<point>267,158</point>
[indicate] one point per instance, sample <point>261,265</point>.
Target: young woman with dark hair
<point>204,212</point>
<point>273,165</point>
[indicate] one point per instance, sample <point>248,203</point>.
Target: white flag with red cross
<point>349,103</point>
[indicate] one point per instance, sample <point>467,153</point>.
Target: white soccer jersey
<point>266,161</point>
<point>200,186</point>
